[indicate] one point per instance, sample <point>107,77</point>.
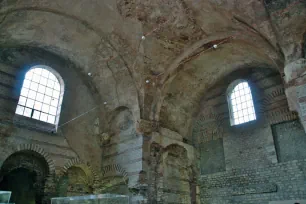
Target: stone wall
<point>261,183</point>
<point>290,141</point>
<point>124,149</point>
<point>288,18</point>
<point>69,141</point>
<point>212,157</point>
<point>170,169</point>
<point>251,147</point>
<point>281,181</point>
<point>259,161</point>
<point>157,58</point>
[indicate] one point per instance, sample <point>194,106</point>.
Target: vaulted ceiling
<point>163,75</point>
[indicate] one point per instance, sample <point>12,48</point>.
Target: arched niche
<point>114,180</point>
<point>172,169</point>
<point>76,181</point>
<point>24,173</point>
<point>122,124</point>
<point>175,156</point>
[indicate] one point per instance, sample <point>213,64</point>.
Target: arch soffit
<point>37,149</point>
<point>87,169</point>
<point>243,61</point>
<point>168,78</point>
<point>115,168</point>
<point>82,56</point>
<point>233,85</point>
<point>53,71</point>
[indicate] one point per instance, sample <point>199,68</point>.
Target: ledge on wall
<point>33,124</point>
<point>289,202</point>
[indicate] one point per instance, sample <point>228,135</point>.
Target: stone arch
<point>173,163</point>
<point>198,83</point>
<point>115,168</point>
<point>37,149</point>
<point>84,179</point>
<point>58,80</point>
<point>177,66</point>
<point>84,60</point>
<point>85,167</point>
<point>8,166</point>
<point>114,176</point>
<point>279,114</point>
<point>176,148</point>
<point>31,159</point>
<point>229,92</point>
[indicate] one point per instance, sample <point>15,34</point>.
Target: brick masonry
<point>55,148</point>
<point>281,181</point>
<point>257,162</point>
<point>123,150</point>
<point>290,141</point>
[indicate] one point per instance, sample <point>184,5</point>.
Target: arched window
<point>41,95</point>
<point>240,102</point>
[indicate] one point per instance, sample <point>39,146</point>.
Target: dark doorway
<point>24,173</point>
<point>21,183</point>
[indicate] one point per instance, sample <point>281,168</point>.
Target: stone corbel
<point>146,126</point>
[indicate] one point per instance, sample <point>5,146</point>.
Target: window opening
<point>241,103</point>
<point>41,96</point>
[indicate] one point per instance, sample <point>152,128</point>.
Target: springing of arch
<point>240,102</point>
<point>41,95</point>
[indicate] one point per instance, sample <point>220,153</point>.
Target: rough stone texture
<point>212,157</point>
<point>290,141</point>
<point>171,171</point>
<point>283,13</point>
<point>122,155</point>
<point>212,121</point>
<point>250,148</point>
<point>34,163</point>
<point>155,82</point>
<point>253,152</point>
<point>295,91</point>
<point>282,181</point>
<point>288,202</point>
<point>58,143</point>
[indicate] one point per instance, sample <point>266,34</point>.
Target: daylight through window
<point>40,96</point>
<point>241,104</point>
